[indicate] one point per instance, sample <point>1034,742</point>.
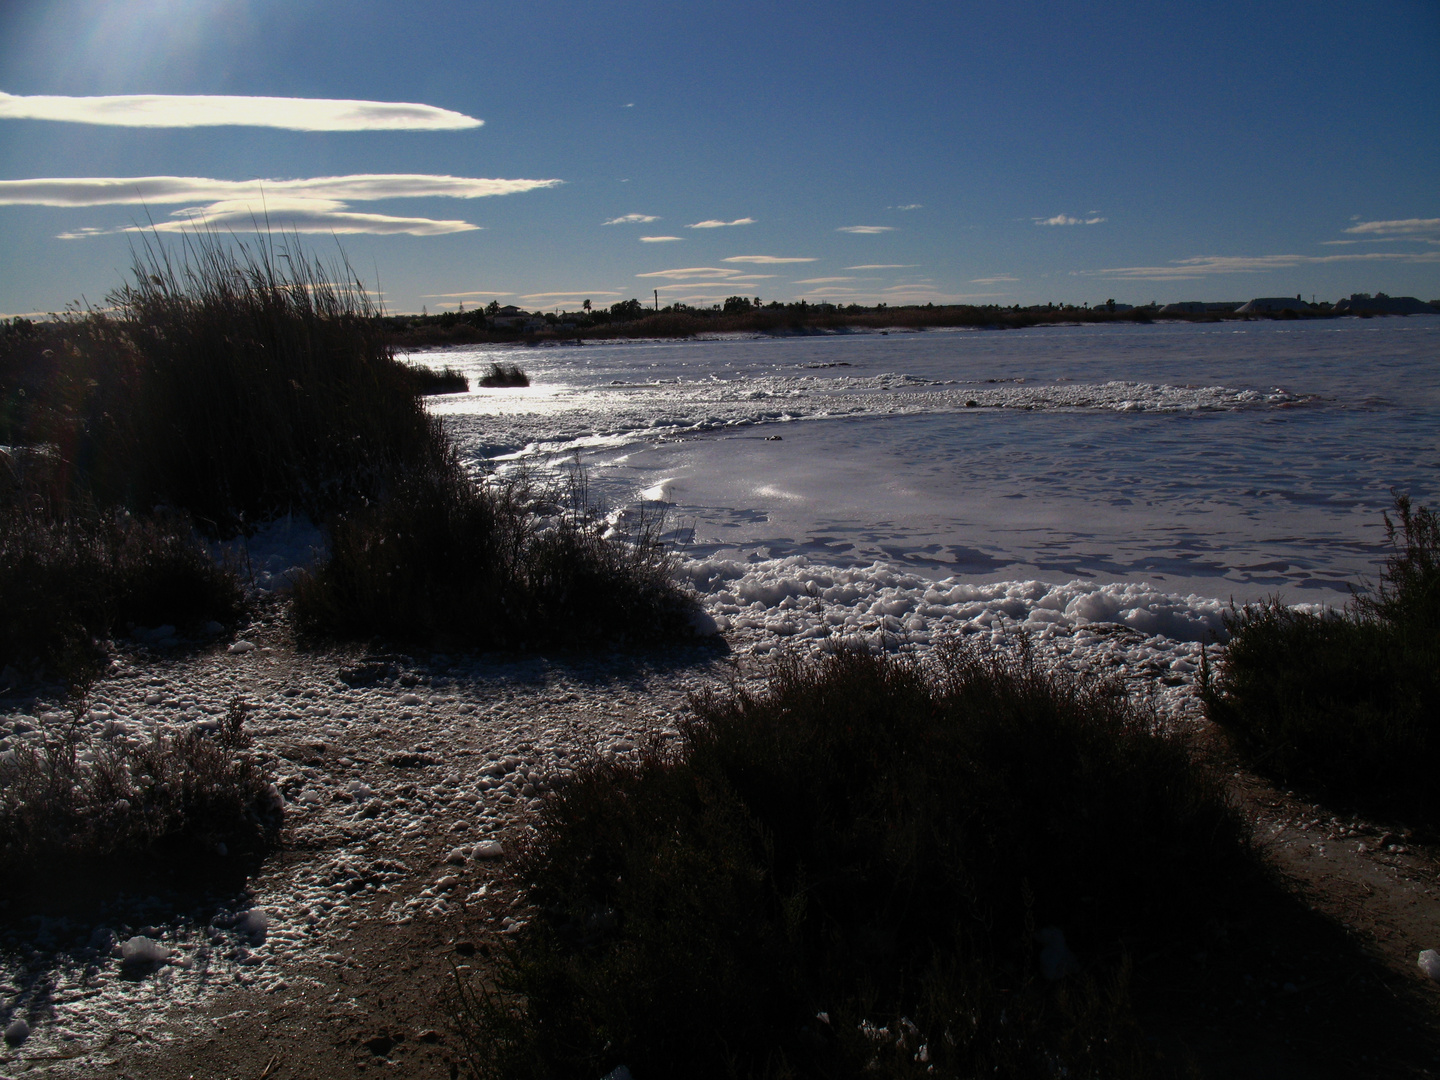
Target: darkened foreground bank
<point>1346,703</point>
<point>867,868</point>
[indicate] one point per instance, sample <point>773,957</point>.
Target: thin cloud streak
<point>140,190</point>
<point>316,204</point>
<point>632,219</point>
<point>583,294</point>
<point>1406,227</point>
<point>463,295</point>
<point>1065,219</point>
<point>998,280</point>
<point>884,266</point>
<point>691,272</point>
<point>203,110</point>
<point>866,230</point>
<point>823,280</point>
<point>765,260</point>
<point>1207,265</point>
<point>728,286</point>
<point>715,223</point>
<point>301,219</point>
<point>659,239</point>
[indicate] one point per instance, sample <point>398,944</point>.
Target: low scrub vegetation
<point>503,564</point>
<point>867,868</point>
<point>447,380</point>
<point>236,382</point>
<point>504,375</point>
<point>1345,703</point>
<point>67,581</point>
<point>78,817</point>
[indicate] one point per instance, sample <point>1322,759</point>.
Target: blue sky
<point>945,152</point>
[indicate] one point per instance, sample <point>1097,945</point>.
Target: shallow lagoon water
<point>1230,460</point>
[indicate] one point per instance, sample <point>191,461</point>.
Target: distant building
<point>1380,304</point>
<point>1263,305</point>
<point>511,317</point>
<point>1184,307</point>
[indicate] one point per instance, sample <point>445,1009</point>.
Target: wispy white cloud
<point>884,266</point>
<point>316,204</point>
<point>183,111</point>
<point>909,206</point>
<point>928,294</point>
<point>715,223</point>
<point>1066,219</point>
<point>631,219</point>
<point>463,295</point>
<point>765,260</point>
<point>659,239</point>
<point>866,230</point>
<point>692,272</point>
<point>138,190</point>
<point>295,215</point>
<point>997,280</point>
<point>1208,265</point>
<point>1418,227</point>
<point>573,294</point>
<point>728,286</point>
<point>822,280</point>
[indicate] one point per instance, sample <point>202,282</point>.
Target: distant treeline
<point>632,319</point>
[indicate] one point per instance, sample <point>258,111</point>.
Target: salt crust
<point>403,791</point>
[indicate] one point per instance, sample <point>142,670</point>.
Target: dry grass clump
<point>447,380</point>
<point>66,581</point>
<point>505,375</point>
<point>1345,703</point>
<point>868,868</point>
<point>78,817</point>
<point>499,565</point>
<point>243,382</point>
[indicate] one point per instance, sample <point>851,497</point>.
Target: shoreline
<point>436,331</point>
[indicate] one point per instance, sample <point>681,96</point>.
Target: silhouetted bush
<point>246,381</point>
<point>866,868</point>
<point>447,380</point>
<point>238,384</point>
<point>503,564</point>
<point>1345,702</point>
<point>67,581</point>
<point>78,817</point>
<point>504,375</point>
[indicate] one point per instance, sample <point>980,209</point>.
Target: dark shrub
<point>78,818</point>
<point>504,375</point>
<point>895,851</point>
<point>445,381</point>
<point>243,383</point>
<point>496,565</point>
<point>66,581</point>
<point>1345,702</point>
